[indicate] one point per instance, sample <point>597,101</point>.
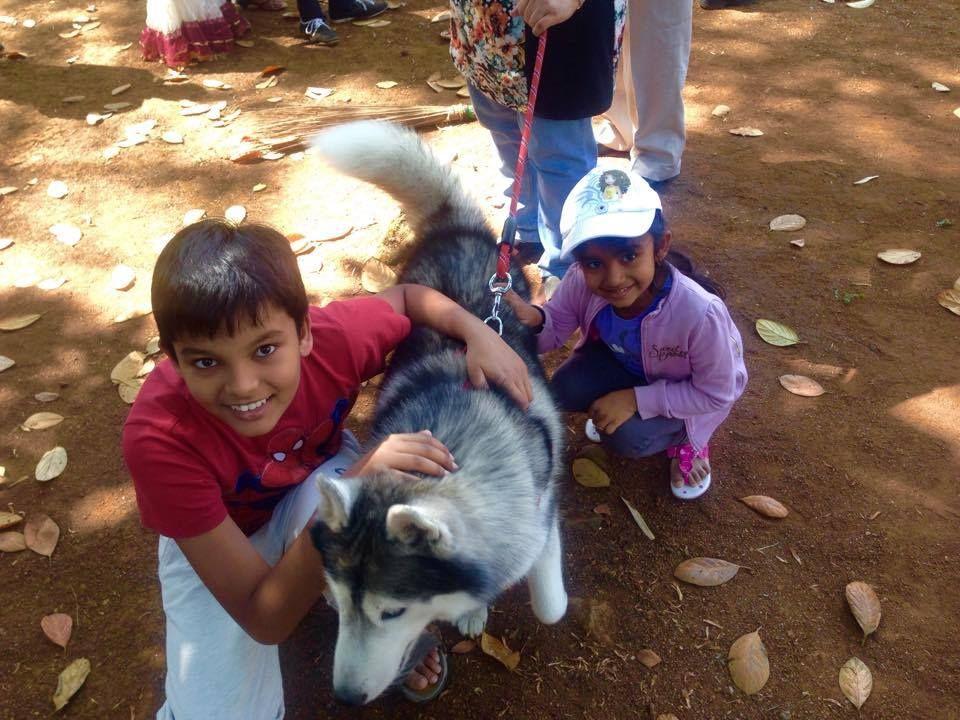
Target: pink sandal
<point>686,454</point>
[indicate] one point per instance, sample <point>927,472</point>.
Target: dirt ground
<point>869,470</point>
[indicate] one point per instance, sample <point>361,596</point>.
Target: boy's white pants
<point>214,669</point>
<point>646,116</point>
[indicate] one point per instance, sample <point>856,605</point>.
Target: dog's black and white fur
<point>401,552</point>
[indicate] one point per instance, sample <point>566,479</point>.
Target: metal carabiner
<point>498,288</point>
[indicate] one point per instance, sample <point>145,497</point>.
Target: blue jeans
<point>592,372</point>
<point>560,152</point>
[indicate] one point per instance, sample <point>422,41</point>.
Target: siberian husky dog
<point>400,551</point>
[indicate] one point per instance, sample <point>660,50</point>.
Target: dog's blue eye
<point>391,614</point>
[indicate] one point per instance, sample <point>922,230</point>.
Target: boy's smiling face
<point>249,379</point>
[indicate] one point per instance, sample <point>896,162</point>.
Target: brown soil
<point>839,93</point>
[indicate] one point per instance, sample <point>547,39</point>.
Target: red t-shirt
<point>191,470</point>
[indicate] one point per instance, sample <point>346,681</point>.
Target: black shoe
<point>318,32</point>
<point>721,4</point>
<point>345,10</point>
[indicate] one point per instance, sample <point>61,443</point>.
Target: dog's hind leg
<point>547,595</point>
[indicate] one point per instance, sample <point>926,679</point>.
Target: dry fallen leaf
<point>856,681</point>
<point>638,519</point>
<point>950,299</point>
<point>57,189</point>
<point>386,84</point>
<point>788,223</point>
<point>602,509</point>
<point>5,242</point>
<point>463,647</point>
<point>6,363</point>
<point>133,311</point>
<point>318,93</point>
<point>66,233</point>
<point>865,180</point>
<point>589,474</point>
<point>70,680</point>
<point>377,276</point>
<point>499,650</point>
<point>57,627</point>
<point>191,110</point>
<point>45,397</point>
<point>129,390</point>
<point>648,658</point>
<point>11,542</point>
<point>332,230</point>
<point>801,385</point>
<point>41,421</point>
<point>865,606</point>
<point>52,464</point>
<point>799,242</point>
<point>899,256</point>
<point>706,572</point>
<point>18,322</point>
<point>777,334</point>
<point>123,277</point>
<point>452,83</point>
<point>766,506</point>
<point>440,16</point>
<point>748,663</point>
<point>41,534</point>
<point>245,43</point>
<point>120,89</point>
<point>860,4</point>
<point>172,137</point>
<point>51,283</point>
<point>667,716</point>
<point>259,187</point>
<point>746,132</point>
<point>216,84</point>
<point>128,368</point>
<point>236,214</point>
<point>116,106</point>
<point>720,111</point>
<point>9,519</point>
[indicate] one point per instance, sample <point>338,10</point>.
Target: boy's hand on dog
<point>408,452</point>
<point>491,360</point>
<point>613,410</point>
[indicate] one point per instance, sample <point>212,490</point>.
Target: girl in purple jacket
<point>659,362</point>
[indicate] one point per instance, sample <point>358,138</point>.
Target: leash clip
<point>498,287</point>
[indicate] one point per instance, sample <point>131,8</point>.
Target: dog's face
<point>393,566</point>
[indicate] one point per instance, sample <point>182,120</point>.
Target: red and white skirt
<point>180,31</point>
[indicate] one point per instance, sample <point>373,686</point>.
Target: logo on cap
<point>613,184</point>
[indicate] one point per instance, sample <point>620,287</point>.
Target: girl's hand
<point>541,14</point>
<point>525,312</point>
<point>491,360</point>
<point>611,411</point>
<point>408,452</point>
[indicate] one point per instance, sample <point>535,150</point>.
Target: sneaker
<point>345,10</point>
<point>318,32</point>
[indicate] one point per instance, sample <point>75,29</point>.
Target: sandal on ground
<point>685,454</point>
<point>430,692</point>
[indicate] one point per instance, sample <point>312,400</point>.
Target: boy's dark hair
<point>213,274</point>
<point>680,260</point>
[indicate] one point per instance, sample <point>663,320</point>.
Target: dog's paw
<point>472,623</point>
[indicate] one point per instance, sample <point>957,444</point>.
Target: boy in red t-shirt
<point>224,434</point>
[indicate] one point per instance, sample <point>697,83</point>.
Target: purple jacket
<point>692,351</point>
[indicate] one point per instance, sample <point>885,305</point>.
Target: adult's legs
<point>501,122</point>
<point>659,55</point>
<point>561,152</point>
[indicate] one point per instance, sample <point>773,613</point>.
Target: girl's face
<point>623,275</point>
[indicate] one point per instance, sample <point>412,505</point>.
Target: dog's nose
<point>350,696</point>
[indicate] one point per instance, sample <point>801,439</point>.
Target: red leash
<point>500,282</point>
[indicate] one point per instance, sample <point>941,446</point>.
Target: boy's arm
<point>266,602</point>
<point>489,358</point>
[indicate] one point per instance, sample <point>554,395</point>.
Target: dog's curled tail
<point>392,157</point>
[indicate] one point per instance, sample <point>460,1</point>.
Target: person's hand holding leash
<point>542,14</point>
<point>613,410</point>
<point>408,452</point>
<point>491,360</point>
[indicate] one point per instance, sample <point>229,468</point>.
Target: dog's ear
<point>336,499</point>
<point>413,525</point>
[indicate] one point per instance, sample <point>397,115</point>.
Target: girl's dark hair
<point>213,275</point>
<point>680,260</point>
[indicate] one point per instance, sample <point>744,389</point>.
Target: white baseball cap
<point>606,203</point>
